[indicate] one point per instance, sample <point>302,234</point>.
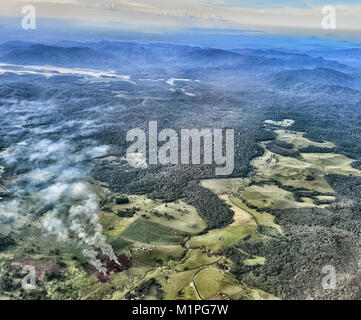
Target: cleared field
<point>177,215</point>
<point>211,282</point>
<point>141,202</point>
<point>255,294</point>
<point>194,259</point>
<point>148,232</point>
<point>326,198</point>
<point>114,225</point>
<point>223,186</point>
<point>283,123</point>
<point>128,279</point>
<point>299,141</point>
<point>332,163</point>
<point>119,245</point>
<point>306,171</point>
<point>221,238</point>
<point>255,261</point>
<point>158,255</point>
<point>271,196</point>
<point>290,171</point>
<point>263,218</point>
<point>175,283</point>
<point>241,217</point>
<point>188,293</point>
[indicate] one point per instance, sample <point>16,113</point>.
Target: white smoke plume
<point>54,182</point>
<point>81,220</point>
<point>92,255</point>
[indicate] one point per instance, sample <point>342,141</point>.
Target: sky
<point>283,17</point>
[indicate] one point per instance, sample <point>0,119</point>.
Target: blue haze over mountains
<point>280,67</point>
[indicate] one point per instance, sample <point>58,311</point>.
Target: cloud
<point>52,176</point>
<point>148,15</point>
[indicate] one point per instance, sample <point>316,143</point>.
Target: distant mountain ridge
<point>351,57</point>
<point>280,68</point>
<point>116,54</point>
<point>43,54</point>
<point>320,76</point>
